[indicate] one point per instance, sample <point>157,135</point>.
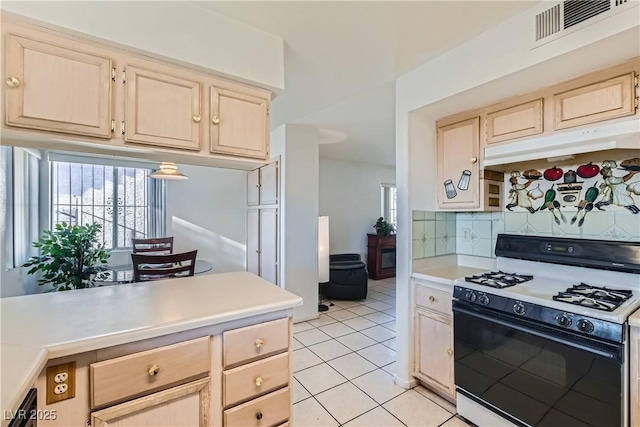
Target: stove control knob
<point>483,299</point>
<point>585,326</point>
<point>519,308</point>
<point>471,296</point>
<point>563,320</point>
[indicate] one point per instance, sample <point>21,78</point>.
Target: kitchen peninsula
<point>206,335</point>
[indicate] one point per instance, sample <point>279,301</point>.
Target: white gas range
<point>543,341</point>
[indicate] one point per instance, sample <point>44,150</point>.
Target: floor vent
<point>577,11</point>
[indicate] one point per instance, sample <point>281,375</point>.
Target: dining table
<point>123,273</point>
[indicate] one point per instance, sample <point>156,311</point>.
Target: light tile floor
<point>343,365</point>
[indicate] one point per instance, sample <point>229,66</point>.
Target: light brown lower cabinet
<point>634,377</point>
<point>235,377</point>
<point>434,351</point>
<point>433,342</point>
<point>185,406</point>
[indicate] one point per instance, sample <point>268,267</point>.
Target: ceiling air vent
<point>548,22</point>
<point>577,11</point>
<point>562,17</point>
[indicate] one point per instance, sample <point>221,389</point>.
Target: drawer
<point>139,373</point>
<point>269,410</point>
<point>248,381</point>
<point>434,299</point>
<point>255,342</point>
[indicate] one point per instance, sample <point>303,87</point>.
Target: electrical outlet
<point>466,234</point>
<point>60,388</point>
<point>61,377</point>
<point>61,382</point>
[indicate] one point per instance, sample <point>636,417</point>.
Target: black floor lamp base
<point>323,307</point>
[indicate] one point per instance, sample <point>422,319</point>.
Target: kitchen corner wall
<point>474,233</point>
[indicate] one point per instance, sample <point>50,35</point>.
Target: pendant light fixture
<point>169,171</point>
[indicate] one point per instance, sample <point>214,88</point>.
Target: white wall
<point>181,30</point>
<point>350,195</point>
<point>497,64</point>
<point>207,213</point>
<point>298,147</point>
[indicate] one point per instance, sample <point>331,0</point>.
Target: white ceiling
<point>342,59</point>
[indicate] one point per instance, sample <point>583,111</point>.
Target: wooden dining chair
<point>159,246</point>
<point>157,267</point>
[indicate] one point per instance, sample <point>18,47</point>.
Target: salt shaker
<point>449,189</point>
<point>463,184</point>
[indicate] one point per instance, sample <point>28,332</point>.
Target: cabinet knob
<point>474,160</point>
<point>196,118</point>
<point>259,342</point>
<point>432,298</point>
<point>258,415</point>
<point>215,120</point>
<point>450,352</point>
<point>258,382</point>
<point>12,82</point>
<point>153,371</point>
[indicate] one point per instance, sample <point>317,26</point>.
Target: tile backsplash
<point>474,233</point>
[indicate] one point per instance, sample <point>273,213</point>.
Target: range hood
<point>621,135</point>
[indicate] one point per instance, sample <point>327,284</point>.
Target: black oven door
<point>536,375</point>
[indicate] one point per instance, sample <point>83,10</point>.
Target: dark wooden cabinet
<point>381,257</point>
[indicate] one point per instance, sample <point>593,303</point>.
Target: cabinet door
<point>634,377</point>
<point>604,100</point>
<point>434,350</point>
<point>269,245</point>
<point>185,406</point>
<point>239,124</point>
<point>269,184</point>
<point>253,241</point>
<point>515,122</point>
<point>458,148</point>
<point>162,109</point>
<point>57,88</point>
<point>253,187</point>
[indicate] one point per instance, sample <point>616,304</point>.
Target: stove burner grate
<point>596,297</point>
<point>498,279</point>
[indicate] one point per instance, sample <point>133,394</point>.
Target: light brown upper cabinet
<point>606,99</point>
<point>458,148</point>
<point>162,108</point>
<point>514,122</point>
<point>57,87</point>
<point>239,123</point>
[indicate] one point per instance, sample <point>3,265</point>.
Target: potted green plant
<point>71,257</point>
<point>384,227</point>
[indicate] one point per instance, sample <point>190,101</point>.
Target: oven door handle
<point>610,355</point>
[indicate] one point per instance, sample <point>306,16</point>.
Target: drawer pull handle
<point>259,416</point>
<point>432,298</point>
<point>259,342</point>
<point>450,352</point>
<point>154,370</point>
<point>474,160</point>
<point>215,120</point>
<point>197,118</point>
<point>258,382</point>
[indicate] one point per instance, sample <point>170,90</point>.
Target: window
<point>124,200</point>
<point>19,197</point>
<point>389,205</point>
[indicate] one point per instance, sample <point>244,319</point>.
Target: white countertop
<point>445,269</point>
<point>39,327</point>
<point>634,319</point>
